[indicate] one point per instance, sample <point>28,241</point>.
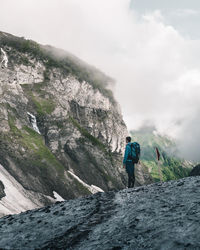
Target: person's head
<point>128,139</point>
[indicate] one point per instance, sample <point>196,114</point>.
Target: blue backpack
<point>135,152</point>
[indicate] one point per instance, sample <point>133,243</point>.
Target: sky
<point>150,47</point>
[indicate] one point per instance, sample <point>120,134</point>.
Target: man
<point>128,163</point>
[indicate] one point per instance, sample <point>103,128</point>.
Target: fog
<point>156,68</point>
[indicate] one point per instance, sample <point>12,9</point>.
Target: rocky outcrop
<point>195,171</point>
<point>158,216</point>
<point>2,193</point>
<point>61,129</point>
<point>142,175</point>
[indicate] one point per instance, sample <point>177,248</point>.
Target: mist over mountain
<point>146,47</point>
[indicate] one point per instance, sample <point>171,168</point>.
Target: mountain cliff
<point>157,216</point>
<point>62,132</point>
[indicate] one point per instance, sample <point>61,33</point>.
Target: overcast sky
<point>151,48</point>
<point>183,15</point>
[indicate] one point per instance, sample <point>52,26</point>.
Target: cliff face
<point>2,193</point>
<point>62,133</point>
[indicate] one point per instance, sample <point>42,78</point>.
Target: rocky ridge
<point>158,216</point>
<point>62,132</point>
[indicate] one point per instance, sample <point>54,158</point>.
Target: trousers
<point>131,174</point>
<point>131,180</point>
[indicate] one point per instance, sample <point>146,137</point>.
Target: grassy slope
<point>34,158</point>
<point>172,167</point>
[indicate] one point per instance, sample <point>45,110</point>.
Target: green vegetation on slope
<point>85,133</point>
<point>43,106</point>
<point>33,160</point>
<point>43,103</point>
<point>172,167</point>
<point>33,143</point>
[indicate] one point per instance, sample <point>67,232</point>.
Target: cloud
<point>157,70</point>
<point>185,13</point>
<point>189,137</point>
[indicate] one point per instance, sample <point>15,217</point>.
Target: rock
<point>195,171</point>
<point>2,193</point>
<point>157,216</point>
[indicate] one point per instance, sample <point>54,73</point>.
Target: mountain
<point>159,216</point>
<point>172,166</point>
<point>62,132</point>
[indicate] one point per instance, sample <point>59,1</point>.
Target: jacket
<point>129,164</point>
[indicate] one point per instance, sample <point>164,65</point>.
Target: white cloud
<point>156,69</point>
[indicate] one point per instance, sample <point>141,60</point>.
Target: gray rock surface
<point>158,216</point>
<point>2,193</point>
<point>195,171</point>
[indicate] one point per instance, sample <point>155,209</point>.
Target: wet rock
<point>157,216</point>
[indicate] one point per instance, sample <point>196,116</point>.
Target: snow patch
<point>33,122</point>
<point>17,199</point>
<point>93,189</point>
<point>97,189</point>
<point>5,58</point>
<point>57,196</point>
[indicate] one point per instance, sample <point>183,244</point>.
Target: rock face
<point>61,128</point>
<point>195,171</point>
<point>2,193</point>
<point>158,216</point>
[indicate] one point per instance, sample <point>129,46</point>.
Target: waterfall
<point>5,58</point>
<point>33,122</point>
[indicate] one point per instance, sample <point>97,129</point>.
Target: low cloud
<point>157,70</point>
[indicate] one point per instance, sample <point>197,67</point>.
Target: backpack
<point>135,152</point>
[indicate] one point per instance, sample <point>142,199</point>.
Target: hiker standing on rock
<point>131,157</point>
